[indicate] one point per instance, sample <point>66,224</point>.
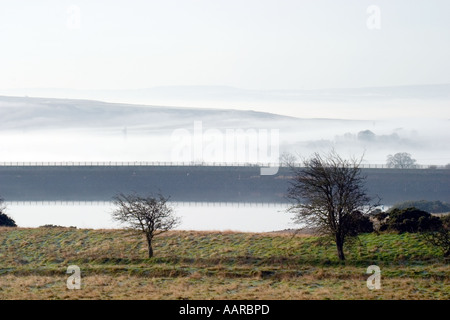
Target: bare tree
<point>326,193</point>
<point>149,215</point>
<point>401,160</point>
<point>287,159</point>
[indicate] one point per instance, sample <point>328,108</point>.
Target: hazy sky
<point>250,44</point>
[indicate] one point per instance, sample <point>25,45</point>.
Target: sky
<point>261,45</point>
<point>248,44</point>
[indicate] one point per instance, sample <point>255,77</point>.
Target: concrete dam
<point>198,183</point>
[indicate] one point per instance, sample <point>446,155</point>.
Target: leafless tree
<point>149,215</point>
<point>401,160</point>
<point>326,192</point>
<point>287,159</point>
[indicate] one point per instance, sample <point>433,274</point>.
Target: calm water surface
<point>201,216</point>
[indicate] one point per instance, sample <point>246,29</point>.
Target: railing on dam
<point>181,164</point>
<point>175,203</point>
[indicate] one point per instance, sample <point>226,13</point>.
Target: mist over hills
<point>41,113</point>
<point>56,129</point>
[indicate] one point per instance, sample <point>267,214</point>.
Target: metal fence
<point>175,203</point>
<point>181,164</point>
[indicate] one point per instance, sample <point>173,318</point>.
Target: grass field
<point>215,265</point>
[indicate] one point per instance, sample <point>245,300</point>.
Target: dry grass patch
<point>199,287</point>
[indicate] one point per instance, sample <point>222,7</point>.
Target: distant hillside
<point>18,113</point>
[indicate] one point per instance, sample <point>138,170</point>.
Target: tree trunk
<point>150,248</point>
<point>340,249</point>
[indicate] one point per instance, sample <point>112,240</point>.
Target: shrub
<point>379,219</point>
<point>6,221</point>
<point>446,221</point>
<point>359,223</point>
<point>440,238</point>
<point>412,220</point>
<point>53,226</point>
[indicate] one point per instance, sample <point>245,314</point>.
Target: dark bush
<point>379,218</point>
<point>53,226</point>
<point>6,221</point>
<point>359,223</point>
<point>446,221</point>
<point>412,220</point>
<point>440,237</point>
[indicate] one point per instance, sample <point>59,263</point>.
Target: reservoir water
<point>245,217</point>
